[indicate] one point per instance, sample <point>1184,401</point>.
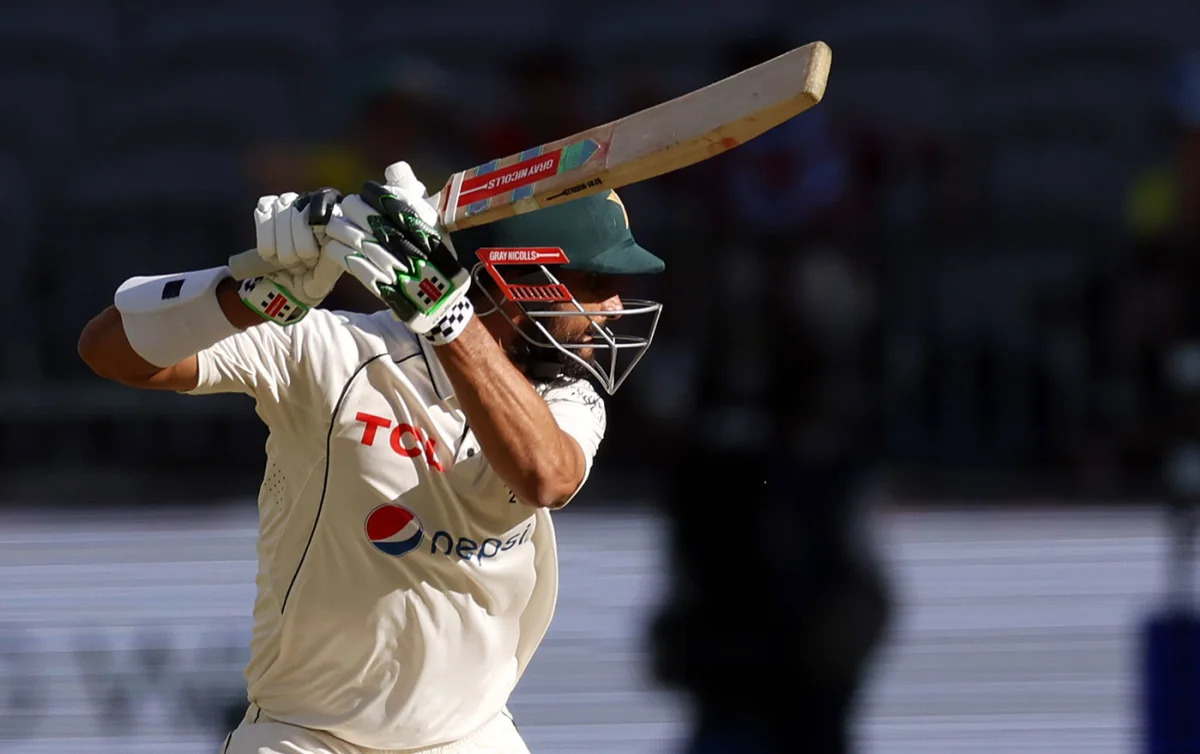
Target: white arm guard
<point>168,318</point>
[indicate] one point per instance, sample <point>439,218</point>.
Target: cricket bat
<point>665,137</point>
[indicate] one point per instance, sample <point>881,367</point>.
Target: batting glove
<point>290,233</point>
<point>388,237</point>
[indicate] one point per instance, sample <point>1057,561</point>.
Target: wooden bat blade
<point>668,136</point>
<point>662,138</point>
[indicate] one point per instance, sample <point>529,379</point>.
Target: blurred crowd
<point>977,247</point>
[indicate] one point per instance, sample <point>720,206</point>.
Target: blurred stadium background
<point>987,233</point>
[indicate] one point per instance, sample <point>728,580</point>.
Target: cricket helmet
<point>520,255</point>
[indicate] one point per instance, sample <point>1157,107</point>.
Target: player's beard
<point>543,362</point>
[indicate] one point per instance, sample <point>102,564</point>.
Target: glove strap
<point>450,326</point>
<point>272,301</point>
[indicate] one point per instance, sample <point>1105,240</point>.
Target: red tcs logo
<point>405,439</point>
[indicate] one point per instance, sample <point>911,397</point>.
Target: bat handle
<point>249,264</point>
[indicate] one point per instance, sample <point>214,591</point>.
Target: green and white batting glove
<point>290,232</point>
<point>388,237</point>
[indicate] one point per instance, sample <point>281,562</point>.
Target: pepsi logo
<point>394,529</point>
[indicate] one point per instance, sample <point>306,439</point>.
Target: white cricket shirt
<point>401,589</point>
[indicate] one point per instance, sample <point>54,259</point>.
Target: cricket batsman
<point>406,556</point>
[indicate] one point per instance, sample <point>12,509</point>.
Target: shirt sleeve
<point>580,412</point>
<point>289,371</point>
<point>256,361</point>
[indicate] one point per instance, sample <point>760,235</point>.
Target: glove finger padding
<point>419,235</point>
<point>304,239</point>
<point>363,243</point>
<point>381,242</point>
<point>362,268</point>
<point>285,248</point>
<point>358,223</point>
<point>289,231</point>
<point>264,226</point>
<point>408,212</point>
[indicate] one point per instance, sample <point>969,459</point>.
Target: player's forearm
<point>540,463</point>
<point>105,348</point>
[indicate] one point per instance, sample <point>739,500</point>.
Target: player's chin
<point>582,345</point>
<point>576,370</point>
<point>578,350</point>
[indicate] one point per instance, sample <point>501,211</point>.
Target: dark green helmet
<point>593,232</point>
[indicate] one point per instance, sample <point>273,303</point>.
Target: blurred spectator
<point>1163,204</point>
<point>398,108</point>
<point>1157,308</point>
<point>787,179</point>
<point>791,178</point>
<point>779,440</point>
<point>544,102</point>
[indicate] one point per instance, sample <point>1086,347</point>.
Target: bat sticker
<point>590,183</point>
<point>490,181</point>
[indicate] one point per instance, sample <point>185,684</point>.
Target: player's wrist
<point>457,318</point>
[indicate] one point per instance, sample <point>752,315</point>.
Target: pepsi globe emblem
<point>394,529</point>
